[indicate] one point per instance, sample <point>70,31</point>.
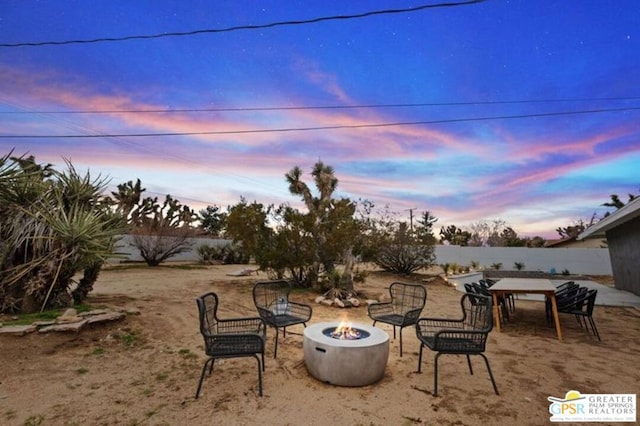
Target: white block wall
<point>588,261</point>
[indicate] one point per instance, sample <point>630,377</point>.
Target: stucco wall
<point>589,261</point>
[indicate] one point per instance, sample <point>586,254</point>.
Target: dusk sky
<point>518,110</point>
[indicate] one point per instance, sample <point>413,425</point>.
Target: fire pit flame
<point>344,331</point>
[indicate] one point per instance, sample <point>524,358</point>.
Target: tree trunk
<point>346,280</point>
<point>85,286</point>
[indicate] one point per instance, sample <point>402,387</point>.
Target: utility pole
<point>411,218</point>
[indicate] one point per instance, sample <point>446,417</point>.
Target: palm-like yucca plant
<point>53,225</point>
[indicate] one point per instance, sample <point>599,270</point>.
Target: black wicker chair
<point>274,307</point>
<point>565,294</point>
<point>229,338</point>
<point>464,336</point>
<point>582,308</point>
<point>407,302</point>
<point>503,304</point>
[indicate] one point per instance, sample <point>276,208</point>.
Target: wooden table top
<point>523,285</point>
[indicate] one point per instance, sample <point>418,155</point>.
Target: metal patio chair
<point>407,302</point>
<point>229,338</point>
<point>271,299</point>
<point>463,336</point>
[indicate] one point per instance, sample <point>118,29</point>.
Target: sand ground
<point>144,369</point>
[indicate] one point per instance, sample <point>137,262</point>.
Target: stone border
<point>70,320</point>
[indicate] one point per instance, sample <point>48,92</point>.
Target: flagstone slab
<point>72,326</point>
<point>18,330</point>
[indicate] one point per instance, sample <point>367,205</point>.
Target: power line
<point>334,127</point>
<point>321,107</point>
<point>245,27</point>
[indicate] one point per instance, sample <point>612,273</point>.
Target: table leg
<point>496,311</point>
<point>556,318</point>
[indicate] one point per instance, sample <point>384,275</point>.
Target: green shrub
<point>228,254</point>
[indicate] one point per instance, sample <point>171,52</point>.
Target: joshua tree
<point>52,225</point>
<point>332,220</point>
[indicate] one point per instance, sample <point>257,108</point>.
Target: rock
<point>327,302</point>
<point>319,299</point>
<point>73,326</point>
<point>70,313</point>
<point>371,302</point>
<point>43,323</point>
<point>94,312</point>
<point>107,316</point>
<point>67,319</point>
<point>18,330</point>
<point>354,302</point>
<point>339,303</point>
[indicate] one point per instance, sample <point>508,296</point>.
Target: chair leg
<point>493,382</point>
<point>260,368</point>
<point>275,349</point>
<point>204,369</point>
<point>394,332</point>
<point>400,342</point>
<point>420,358</point>
<point>435,375</point>
<point>595,330</point>
<point>469,364</point>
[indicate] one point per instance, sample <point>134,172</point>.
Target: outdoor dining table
<point>527,286</point>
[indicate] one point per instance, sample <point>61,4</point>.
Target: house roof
<point>629,211</point>
<point>553,243</point>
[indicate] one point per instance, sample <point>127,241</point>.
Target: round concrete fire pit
<point>356,360</point>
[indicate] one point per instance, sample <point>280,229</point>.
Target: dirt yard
<point>145,368</point>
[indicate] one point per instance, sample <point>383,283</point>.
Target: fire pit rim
<point>362,333</point>
<point>376,335</point>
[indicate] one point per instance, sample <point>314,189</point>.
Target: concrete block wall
<point>588,261</point>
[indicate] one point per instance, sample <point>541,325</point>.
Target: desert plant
<point>566,272</point>
<point>519,265</point>
<point>52,225</point>
<point>474,265</point>
<point>497,266</point>
<point>208,254</point>
<point>446,268</point>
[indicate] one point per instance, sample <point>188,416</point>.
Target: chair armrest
<point>411,317</point>
<point>460,341</point>
<point>380,308</point>
<point>233,344</point>
<point>439,323</point>
<point>241,325</point>
<point>300,310</point>
<point>429,327</point>
<point>267,315</point>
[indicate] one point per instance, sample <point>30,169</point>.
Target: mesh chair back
<point>272,295</point>
<point>591,301</point>
<point>407,297</point>
<point>207,309</point>
<point>477,312</point>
